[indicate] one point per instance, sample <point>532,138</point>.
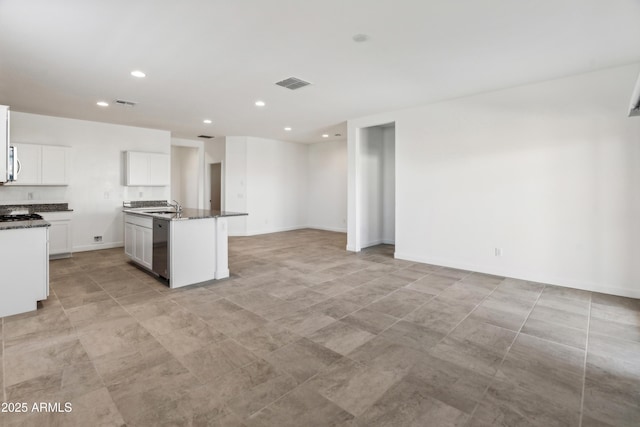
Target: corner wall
<point>548,172</point>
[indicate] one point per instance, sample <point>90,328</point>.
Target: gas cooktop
<point>20,217</point>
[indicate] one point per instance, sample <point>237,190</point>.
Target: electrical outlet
<point>141,194</point>
<point>498,252</point>
<point>97,238</point>
<point>106,195</point>
<point>29,196</point>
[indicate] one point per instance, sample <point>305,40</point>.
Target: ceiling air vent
<point>205,136</point>
<point>125,103</point>
<point>293,83</point>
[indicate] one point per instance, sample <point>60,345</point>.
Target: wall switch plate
<point>498,252</point>
<point>106,195</point>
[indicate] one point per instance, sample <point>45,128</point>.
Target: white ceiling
<point>213,59</point>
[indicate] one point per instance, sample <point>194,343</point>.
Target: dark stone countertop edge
<point>36,207</point>
<point>14,225</point>
<point>186,214</point>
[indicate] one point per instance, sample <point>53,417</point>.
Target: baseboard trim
<point>98,246</point>
<point>334,229</point>
<point>539,278</point>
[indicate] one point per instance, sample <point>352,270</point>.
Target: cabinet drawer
<point>142,221</point>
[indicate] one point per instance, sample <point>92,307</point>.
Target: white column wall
<point>388,185</point>
<point>235,183</point>
<point>371,181</point>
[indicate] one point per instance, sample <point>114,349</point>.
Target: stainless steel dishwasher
<point>161,247</point>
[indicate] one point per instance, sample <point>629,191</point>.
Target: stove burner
<point>21,217</point>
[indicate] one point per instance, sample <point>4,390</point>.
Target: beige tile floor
<point>307,334</point>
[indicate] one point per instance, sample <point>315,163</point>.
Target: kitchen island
<point>183,247</point>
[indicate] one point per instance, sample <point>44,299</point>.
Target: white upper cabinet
<point>147,169</point>
<point>54,165</point>
<point>42,164</point>
<point>30,164</point>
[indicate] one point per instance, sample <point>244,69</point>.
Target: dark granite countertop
<point>12,225</point>
<point>185,214</point>
<point>35,207</point>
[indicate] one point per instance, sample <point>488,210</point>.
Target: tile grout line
<point>584,367</point>
<point>343,356</point>
<point>505,356</point>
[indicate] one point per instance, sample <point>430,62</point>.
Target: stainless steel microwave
<point>8,153</point>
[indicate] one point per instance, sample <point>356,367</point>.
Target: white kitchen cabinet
<point>147,169</point>
<point>54,165</point>
<point>30,164</point>
<point>42,164</point>
<point>138,239</point>
<point>24,263</point>
<point>60,243</point>
<point>129,239</point>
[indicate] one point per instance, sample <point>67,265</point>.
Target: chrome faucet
<point>177,206</point>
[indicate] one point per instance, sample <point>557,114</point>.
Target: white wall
<point>276,185</point>
<point>327,185</point>
<point>267,179</point>
<point>186,180</point>
<point>548,172</point>
<point>190,173</point>
<point>389,184</point>
<point>95,191</point>
<point>235,188</point>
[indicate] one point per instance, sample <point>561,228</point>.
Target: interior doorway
<point>215,198</point>
<point>377,201</point>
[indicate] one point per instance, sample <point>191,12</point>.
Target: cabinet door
<point>59,237</point>
<point>30,157</point>
<point>54,165</point>
<point>138,245</point>
<point>147,250</point>
<point>159,169</point>
<point>137,168</point>
<point>129,240</point>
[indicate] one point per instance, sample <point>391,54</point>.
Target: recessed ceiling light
<point>138,73</point>
<point>260,104</point>
<point>287,129</point>
<point>359,38</point>
<point>207,121</point>
<point>102,104</point>
<point>324,135</point>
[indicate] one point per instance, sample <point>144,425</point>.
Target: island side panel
<point>24,259</point>
<point>193,251</point>
<point>222,248</point>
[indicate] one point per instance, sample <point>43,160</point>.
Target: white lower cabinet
<point>138,239</point>
<point>24,263</point>
<point>60,243</point>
